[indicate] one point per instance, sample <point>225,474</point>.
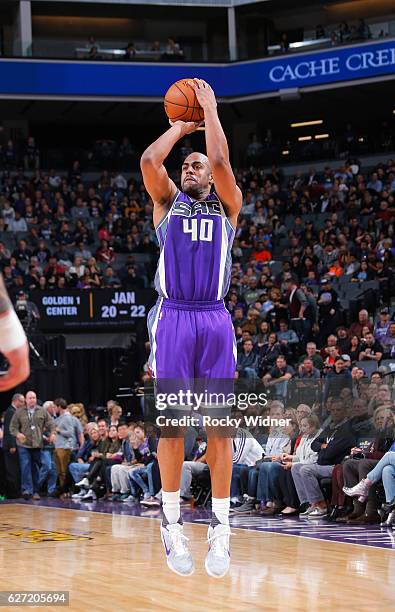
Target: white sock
<point>171,505</point>
<point>220,508</point>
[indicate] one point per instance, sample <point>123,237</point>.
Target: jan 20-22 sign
<point>103,308</point>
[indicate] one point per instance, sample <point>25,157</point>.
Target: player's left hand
<point>204,93</point>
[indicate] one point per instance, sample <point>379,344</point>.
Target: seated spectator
<point>363,273</point>
<point>306,383</point>
<point>105,253</point>
<point>191,469</point>
<point>110,279</point>
<point>268,486</point>
<point>337,379</point>
<point>311,352</point>
<point>388,342</point>
<point>262,335</point>
<point>342,339</point>
<point>77,269</point>
<point>371,349</point>
<point>114,412</point>
<point>22,253</point>
<point>381,326</point>
<point>277,443</point>
<point>361,461</point>
<point>363,321</point>
<point>79,468</point>
<point>385,471</point>
<point>144,449</point>
<point>268,354</point>
<point>286,336</point>
<point>247,361</point>
<point>278,378</point>
<point>120,485</point>
<point>332,444</point>
<point>95,478</point>
<point>354,348</point>
<point>303,454</point>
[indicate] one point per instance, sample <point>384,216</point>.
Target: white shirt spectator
<point>246,450</point>
<point>17,225</point>
<point>8,213</point>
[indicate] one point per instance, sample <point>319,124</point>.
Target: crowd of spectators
<point>171,51</point>
<point>62,230</point>
<point>53,450</point>
<point>310,298</point>
<point>341,34</point>
<point>346,33</point>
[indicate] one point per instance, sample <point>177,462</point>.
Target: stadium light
<point>306,123</point>
<point>305,138</point>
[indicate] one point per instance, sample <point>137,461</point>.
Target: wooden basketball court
<point>116,562</point>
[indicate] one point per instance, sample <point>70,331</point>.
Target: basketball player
<point>13,343</point>
<point>191,332</point>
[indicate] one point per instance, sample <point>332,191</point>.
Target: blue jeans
<point>78,470</point>
<point>280,390</point>
<point>249,373</point>
<point>385,469</point>
<point>248,480</point>
<point>48,470</point>
<point>136,478</point>
<point>235,485</point>
<point>267,488</point>
<point>30,462</point>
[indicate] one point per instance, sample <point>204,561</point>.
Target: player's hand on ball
<point>204,93</point>
<point>187,127</point>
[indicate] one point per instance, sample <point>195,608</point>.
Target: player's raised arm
<point>156,180</point>
<point>218,152</point>
<point>13,343</point>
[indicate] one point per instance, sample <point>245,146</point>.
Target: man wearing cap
<point>382,325</point>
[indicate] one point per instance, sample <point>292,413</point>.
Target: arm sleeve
<point>9,439</point>
<point>302,298</point>
<point>15,425</point>
<point>342,443</point>
<point>50,423</point>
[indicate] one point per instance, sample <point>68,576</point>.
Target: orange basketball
<point>181,103</point>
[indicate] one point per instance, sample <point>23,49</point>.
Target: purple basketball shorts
<point>193,346</point>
